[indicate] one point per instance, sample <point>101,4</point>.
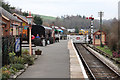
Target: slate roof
<point>23,17</point>
<point>8,15</point>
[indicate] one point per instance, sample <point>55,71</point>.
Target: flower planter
<point>38,52</point>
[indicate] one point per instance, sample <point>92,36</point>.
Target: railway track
<point>96,68</point>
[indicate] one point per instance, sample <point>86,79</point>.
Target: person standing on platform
<point>38,37</point>
<point>56,37</point>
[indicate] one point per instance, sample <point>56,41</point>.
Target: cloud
<point>70,7</point>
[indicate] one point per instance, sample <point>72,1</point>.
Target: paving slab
<point>53,63</point>
<point>77,70</point>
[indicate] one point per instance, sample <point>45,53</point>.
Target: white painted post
<point>30,48</point>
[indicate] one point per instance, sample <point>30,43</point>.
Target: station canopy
<point>58,29</point>
<point>47,28</point>
<point>63,28</point>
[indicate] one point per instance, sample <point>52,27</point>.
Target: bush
<point>11,57</point>
<point>5,73</point>
<point>12,70</point>
<point>8,70</point>
<point>28,59</point>
<point>5,68</point>
<point>112,42</point>
<point>25,51</point>
<point>18,66</point>
<point>18,60</point>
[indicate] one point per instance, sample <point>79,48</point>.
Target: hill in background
<point>45,17</point>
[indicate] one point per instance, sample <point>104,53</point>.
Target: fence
<point>10,44</point>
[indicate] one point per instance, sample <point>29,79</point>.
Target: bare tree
<point>73,21</point>
<point>111,29</point>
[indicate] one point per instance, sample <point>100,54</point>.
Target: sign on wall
<point>17,45</point>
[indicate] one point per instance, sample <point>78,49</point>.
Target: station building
<point>10,24</point>
<point>24,26</point>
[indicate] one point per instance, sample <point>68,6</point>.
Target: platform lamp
<point>30,21</point>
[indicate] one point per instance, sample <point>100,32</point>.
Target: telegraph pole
<point>118,26</point>
<point>101,15</point>
<point>119,35</point>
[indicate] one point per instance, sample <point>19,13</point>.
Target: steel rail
<point>92,74</point>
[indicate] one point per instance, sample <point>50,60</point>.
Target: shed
<point>96,38</point>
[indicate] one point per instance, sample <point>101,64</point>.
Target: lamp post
<point>30,20</point>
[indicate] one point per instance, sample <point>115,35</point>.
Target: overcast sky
<point>69,7</point>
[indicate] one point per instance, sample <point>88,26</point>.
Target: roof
<point>34,23</point>
<point>21,17</point>
<point>59,30</point>
<point>63,28</point>
<point>56,27</point>
<point>8,15</point>
<point>99,31</point>
<point>5,17</point>
<point>47,28</point>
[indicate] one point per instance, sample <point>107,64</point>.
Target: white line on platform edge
<point>80,62</point>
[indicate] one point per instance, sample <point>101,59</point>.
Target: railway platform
<point>58,60</point>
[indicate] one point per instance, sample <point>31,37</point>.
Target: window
<point>97,36</point>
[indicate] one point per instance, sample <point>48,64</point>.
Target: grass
<point>105,49</point>
<point>45,17</point>
<point>118,59</point>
